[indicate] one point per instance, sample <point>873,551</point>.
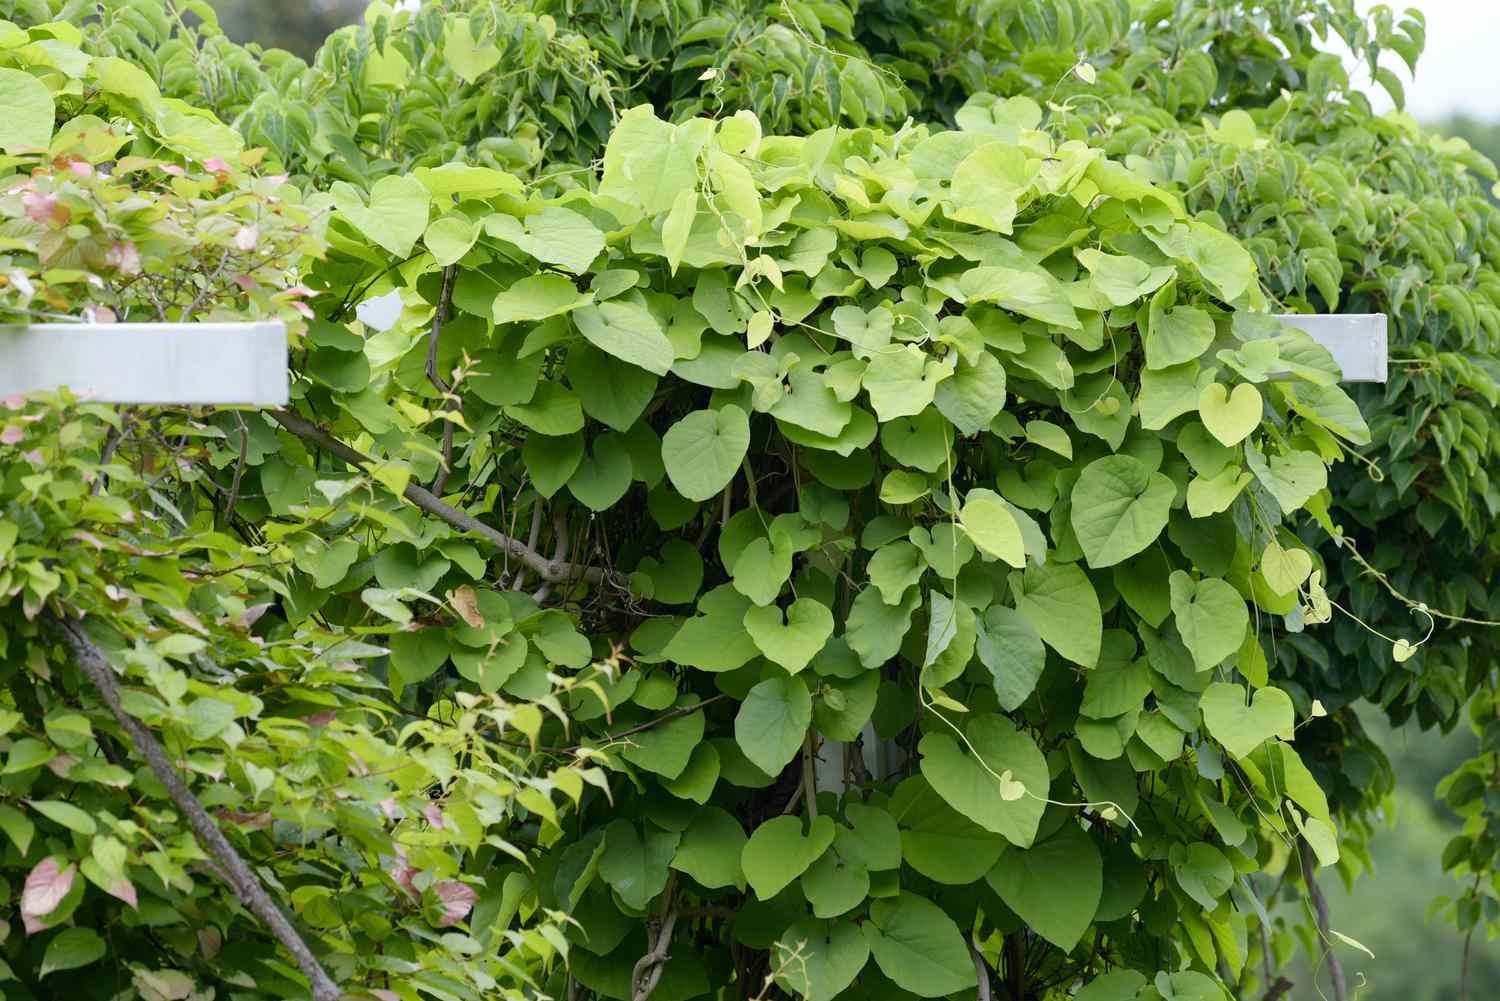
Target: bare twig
<point>1320,905</point>
<point>559,549</point>
<point>239,469</point>
<point>446,391</point>
<point>424,500</point>
<point>234,870</point>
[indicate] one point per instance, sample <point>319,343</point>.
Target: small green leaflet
<point>703,451</point>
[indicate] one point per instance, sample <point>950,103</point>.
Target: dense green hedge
<point>750,434</point>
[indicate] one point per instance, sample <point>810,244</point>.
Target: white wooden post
<point>228,364</point>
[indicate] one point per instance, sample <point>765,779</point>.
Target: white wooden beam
<point>1357,341</point>
<point>171,363</point>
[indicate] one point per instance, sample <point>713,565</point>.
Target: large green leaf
<point>794,641</point>
<point>27,124</point>
<point>772,721</point>
<point>778,852</point>
<point>1241,728</point>
<point>710,849</point>
<point>1211,617</point>
<point>818,959</point>
<point>1062,606</point>
<point>1119,507</point>
<point>703,451</point>
<point>996,777</point>
<point>1054,886</point>
<point>917,945</point>
<point>635,866</point>
<point>395,217</point>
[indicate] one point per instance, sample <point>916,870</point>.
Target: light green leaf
<point>1033,293</point>
<point>795,642</point>
<point>993,528</point>
<point>894,568</point>
<point>938,841</point>
<point>679,226</point>
<point>555,235</point>
<point>1122,281</point>
<point>971,782</point>
<point>1292,478</point>
<point>65,814</point>
<point>834,885</point>
<point>973,395</point>
<point>778,852</point>
<point>395,217</point>
<point>1241,728</point>
<point>917,945</point>
<point>1119,507</point>
<point>1230,417</point>
<point>704,449</point>
<point>29,112</point>
<point>1211,618</point>
<point>772,721</point>
<point>629,332</point>
<point>1055,886</point>
<point>450,236</point>
<point>1177,336</point>
<point>715,639</point>
<point>537,298</point>
<point>1060,603</point>
<point>468,59</point>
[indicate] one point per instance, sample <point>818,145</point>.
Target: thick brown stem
<point>649,968</point>
<point>1278,989</point>
<point>233,868</point>
<point>1320,906</point>
<point>424,500</point>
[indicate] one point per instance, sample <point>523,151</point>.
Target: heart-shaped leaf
<point>917,945</point>
<point>794,643</point>
<point>1211,617</point>
<point>1029,880</point>
<point>772,721</point>
<point>778,852</point>
<point>395,217</point>
<point>975,784</point>
<point>989,523</point>
<point>703,450</point>
<point>1285,569</point>
<point>1120,506</point>
<point>818,959</point>
<point>1241,728</point>
<point>1230,417</point>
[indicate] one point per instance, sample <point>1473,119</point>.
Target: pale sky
<point>1460,68</point>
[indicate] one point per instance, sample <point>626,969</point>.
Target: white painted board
<point>1357,341</point>
<point>172,363</point>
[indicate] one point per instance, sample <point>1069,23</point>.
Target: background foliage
<point>1165,88</point>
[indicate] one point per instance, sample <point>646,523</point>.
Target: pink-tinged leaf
<point>458,900</point>
<point>35,457</point>
<point>320,719</point>
<point>173,169</point>
<point>253,613</point>
<point>390,808</point>
<point>246,237</point>
<point>385,995</point>
<point>81,168</point>
<point>15,401</point>
<point>46,886</point>
<point>403,873</point>
<point>12,434</point>
<point>254,821</point>
<point>215,164</point>
<point>124,890</point>
<point>124,257</point>
<point>44,209</point>
<point>300,290</point>
<point>246,282</point>
<point>304,309</point>
<point>99,314</point>
<point>434,815</point>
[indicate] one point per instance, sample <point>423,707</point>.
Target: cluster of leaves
<point>398,840</point>
<point>513,405</point>
<point>954,439</point>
